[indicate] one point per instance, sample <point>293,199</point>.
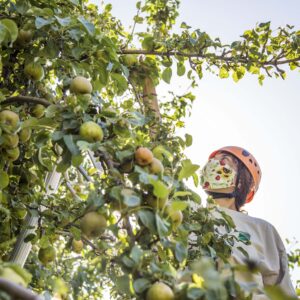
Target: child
<point>232,176</point>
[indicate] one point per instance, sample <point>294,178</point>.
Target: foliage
<point>44,46</point>
<point>294,260</point>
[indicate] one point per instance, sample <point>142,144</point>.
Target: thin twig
<point>128,227</point>
<point>133,28</point>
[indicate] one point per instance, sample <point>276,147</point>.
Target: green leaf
<point>138,5</point>
<point>235,77</point>
<point>136,254</point>
<point>195,293</point>
<point>41,22</point>
<point>195,179</point>
<point>57,135</point>
<point>160,189</point>
<point>184,25</point>
<point>120,82</point>
<point>238,73</point>
<point>63,21</point>
<point>44,242</point>
<point>148,219</point>
<point>52,110</point>
<point>254,70</point>
<point>4,179</point>
<point>41,159</point>
<point>223,73</point>
<point>196,198</point>
<point>31,122</point>
<point>188,169</point>
<point>293,66</point>
<point>87,25</point>
<point>3,33</point>
<point>76,232</point>
<point>124,155</point>
<point>69,142</point>
<point>148,43</point>
<point>162,226</point>
<point>137,19</point>
<point>244,237</point>
<point>131,199</point>
<point>179,205</point>
<point>167,74</point>
<point>102,73</point>
<point>76,160</point>
<point>228,219</point>
<point>20,271</point>
<point>206,238</point>
<point>276,293</point>
<point>180,252</point>
<point>11,27</point>
<point>141,284</point>
<point>21,7</point>
<point>261,79</point>
<point>167,62</point>
<point>241,249</point>
<point>123,284</point>
<point>29,237</point>
<point>65,163</point>
<point>188,140</point>
<point>182,194</point>
<point>128,262</point>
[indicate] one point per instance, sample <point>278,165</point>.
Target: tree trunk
<point>16,291</point>
<point>151,106</point>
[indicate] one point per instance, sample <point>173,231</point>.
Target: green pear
<point>91,132</point>
<point>93,224</point>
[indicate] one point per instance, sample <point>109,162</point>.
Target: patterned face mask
<point>217,175</point>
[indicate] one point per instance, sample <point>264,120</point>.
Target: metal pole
<point>21,250</point>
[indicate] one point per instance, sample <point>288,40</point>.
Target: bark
<point>17,291</point>
<point>151,106</point>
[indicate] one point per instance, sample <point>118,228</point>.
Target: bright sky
<point>264,120</point>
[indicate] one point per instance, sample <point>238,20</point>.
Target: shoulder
<point>243,218</point>
<point>270,228</point>
<point>257,221</point>
<point>265,229</point>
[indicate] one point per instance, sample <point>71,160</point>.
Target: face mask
<point>217,175</point>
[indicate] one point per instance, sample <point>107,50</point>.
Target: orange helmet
<point>249,161</point>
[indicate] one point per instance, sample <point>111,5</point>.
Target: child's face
<point>233,163</point>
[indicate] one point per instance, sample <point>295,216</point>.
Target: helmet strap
<point>221,195</point>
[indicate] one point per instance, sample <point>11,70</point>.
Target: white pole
<point>21,250</point>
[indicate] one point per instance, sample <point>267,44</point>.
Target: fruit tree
<point>93,194</point>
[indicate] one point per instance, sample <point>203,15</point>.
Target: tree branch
<point>25,99</point>
<point>129,230</point>
<point>197,55</point>
<point>17,291</point>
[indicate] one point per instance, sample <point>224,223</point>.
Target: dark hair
<point>243,185</point>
